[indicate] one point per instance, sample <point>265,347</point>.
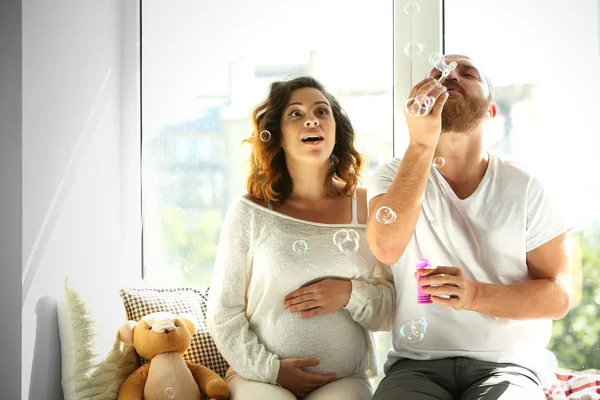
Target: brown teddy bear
<point>162,339</point>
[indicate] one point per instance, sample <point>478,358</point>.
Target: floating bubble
<point>439,162</point>
<point>428,101</point>
<point>385,215</point>
<point>349,246</point>
<point>300,246</point>
<point>413,331</point>
<point>170,393</point>
<point>265,135</point>
<point>343,234</point>
<point>413,48</point>
<point>437,60</point>
<point>419,106</point>
<point>412,8</point>
<point>347,241</point>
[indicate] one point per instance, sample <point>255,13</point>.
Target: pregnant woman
<point>296,292</point>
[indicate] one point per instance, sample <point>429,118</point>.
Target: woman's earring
<point>265,135</point>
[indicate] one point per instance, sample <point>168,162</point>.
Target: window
<point>206,64</point>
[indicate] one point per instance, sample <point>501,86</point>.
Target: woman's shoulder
<point>244,207</point>
<point>244,210</point>
<point>254,200</point>
<point>247,205</point>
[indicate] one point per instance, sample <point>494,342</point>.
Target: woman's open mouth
<point>312,139</point>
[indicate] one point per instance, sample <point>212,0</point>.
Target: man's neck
<point>465,161</point>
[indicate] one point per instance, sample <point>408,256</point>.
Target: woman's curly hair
<point>269,179</point>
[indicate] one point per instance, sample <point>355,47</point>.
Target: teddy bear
<point>162,338</point>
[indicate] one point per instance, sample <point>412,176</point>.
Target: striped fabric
<point>575,385</point>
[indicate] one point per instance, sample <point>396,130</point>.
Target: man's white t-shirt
<point>488,235</point>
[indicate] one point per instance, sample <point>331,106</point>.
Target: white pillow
<point>94,362</point>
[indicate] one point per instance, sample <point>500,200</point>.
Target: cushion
<point>140,302</point>
<point>94,362</point>
<point>574,385</point>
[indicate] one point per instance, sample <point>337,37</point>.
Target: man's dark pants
<point>458,378</point>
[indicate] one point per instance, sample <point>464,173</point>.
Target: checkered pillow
<point>140,302</point>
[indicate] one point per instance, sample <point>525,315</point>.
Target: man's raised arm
<point>405,191</point>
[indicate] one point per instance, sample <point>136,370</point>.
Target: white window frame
<point>131,248</point>
<point>410,71</point>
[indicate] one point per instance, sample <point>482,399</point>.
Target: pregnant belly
<point>334,338</point>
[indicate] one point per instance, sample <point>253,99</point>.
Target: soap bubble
<point>170,393</point>
<point>439,162</point>
<point>346,240</point>
<point>265,135</point>
<point>412,8</point>
<point>413,48</point>
<point>413,331</point>
<point>437,60</point>
<point>385,215</point>
<point>300,246</point>
<point>419,105</point>
<point>343,234</point>
<point>348,246</point>
<point>425,101</point>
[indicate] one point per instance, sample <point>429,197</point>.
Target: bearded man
<point>499,245</point>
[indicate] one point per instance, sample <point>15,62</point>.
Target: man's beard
<point>462,115</point>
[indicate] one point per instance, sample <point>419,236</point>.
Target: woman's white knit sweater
<point>256,267</point>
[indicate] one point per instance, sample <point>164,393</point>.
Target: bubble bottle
<point>421,297</point>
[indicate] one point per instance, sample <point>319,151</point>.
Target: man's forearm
<point>535,299</point>
<point>404,197</point>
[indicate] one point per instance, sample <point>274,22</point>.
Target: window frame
<point>131,253</point>
<point>407,28</point>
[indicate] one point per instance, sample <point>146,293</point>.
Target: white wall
<point>10,197</point>
<point>80,156</point>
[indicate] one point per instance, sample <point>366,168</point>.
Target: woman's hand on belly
<point>319,298</point>
<point>293,377</point>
